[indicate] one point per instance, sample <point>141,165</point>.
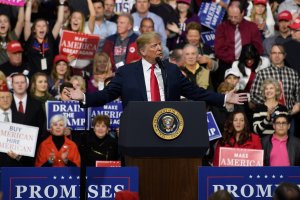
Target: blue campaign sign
<point>244,182</point>
<point>211,14</point>
<point>72,110</point>
<point>208,38</point>
<point>64,182</point>
<point>213,129</point>
<point>113,110</point>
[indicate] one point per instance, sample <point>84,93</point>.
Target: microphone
<point>160,63</point>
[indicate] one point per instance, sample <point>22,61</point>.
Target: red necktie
<point>21,109</point>
<point>155,96</point>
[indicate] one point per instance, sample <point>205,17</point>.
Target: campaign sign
<point>80,45</point>
<point>71,110</point>
<point>123,6</point>
<point>13,2</point>
<point>64,182</point>
<point>241,157</point>
<point>211,14</point>
<point>213,129</point>
<point>208,38</point>
<point>113,110</point>
<point>244,182</point>
<point>18,138</point>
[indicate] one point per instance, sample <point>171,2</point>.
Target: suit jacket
<point>129,84</point>
<point>34,115</point>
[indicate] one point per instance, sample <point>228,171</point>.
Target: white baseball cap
<point>231,71</point>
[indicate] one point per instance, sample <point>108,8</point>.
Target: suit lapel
<point>139,74</point>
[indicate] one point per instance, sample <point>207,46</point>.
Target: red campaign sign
<point>81,45</point>
<point>104,163</point>
<point>13,2</point>
<point>240,157</point>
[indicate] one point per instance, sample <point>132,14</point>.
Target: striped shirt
<point>288,77</point>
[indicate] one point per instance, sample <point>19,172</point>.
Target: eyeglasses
<point>281,123</point>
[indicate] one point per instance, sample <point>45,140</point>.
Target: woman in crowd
<point>77,24</point>
<point>60,73</point>
<point>57,150</point>
<point>40,42</point>
<point>261,14</point>
<point>249,63</point>
<point>101,146</point>
<point>237,135</point>
<point>78,82</point>
<point>102,70</point>
<point>185,16</point>
<point>7,34</point>
<point>262,116</point>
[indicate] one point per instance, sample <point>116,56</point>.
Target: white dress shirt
<point>158,74</point>
<point>24,102</point>
<point>2,116</point>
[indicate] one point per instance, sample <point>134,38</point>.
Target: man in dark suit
<point>30,108</point>
<point>134,82</point>
<point>8,115</point>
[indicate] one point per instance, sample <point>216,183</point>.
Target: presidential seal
<point>168,123</point>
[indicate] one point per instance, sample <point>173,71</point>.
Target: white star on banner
<point>266,176</point>
<point>62,177</point>
<point>281,176</point>
<point>258,176</point>
<point>250,176</point>
<point>54,177</point>
<point>70,177</point>
<point>273,176</point>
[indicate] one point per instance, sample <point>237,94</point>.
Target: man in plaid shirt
<point>287,77</point>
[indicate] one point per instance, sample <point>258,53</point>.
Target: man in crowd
<point>288,80</point>
<point>281,148</point>
<point>146,80</point>
<point>232,34</point>
<point>284,19</point>
<point>15,64</point>
<point>292,47</point>
<point>121,47</point>
<point>103,27</point>
<point>109,10</point>
<point>142,11</point>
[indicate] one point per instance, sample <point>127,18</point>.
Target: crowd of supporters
<point>255,51</point>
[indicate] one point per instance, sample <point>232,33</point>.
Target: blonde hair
<point>269,82</point>
<point>33,82</point>
<point>80,80</point>
<point>253,14</point>
<point>108,62</point>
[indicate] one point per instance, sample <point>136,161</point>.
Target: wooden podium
<point>168,169</point>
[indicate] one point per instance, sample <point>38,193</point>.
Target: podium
<point>168,169</point>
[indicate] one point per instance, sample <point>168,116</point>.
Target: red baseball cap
<point>264,2</point>
<point>184,1</point>
<point>14,47</point>
<point>295,24</point>
<point>3,88</point>
<point>285,15</point>
<point>60,57</point>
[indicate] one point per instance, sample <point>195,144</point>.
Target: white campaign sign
<point>20,139</point>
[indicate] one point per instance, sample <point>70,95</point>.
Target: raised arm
<point>59,20</point>
<point>91,22</point>
<point>20,23</point>
<point>27,27</point>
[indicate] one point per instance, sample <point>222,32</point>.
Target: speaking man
<point>146,80</point>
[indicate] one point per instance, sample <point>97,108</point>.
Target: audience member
<point>101,70</point>
<point>101,146</point>
<point>293,46</point>
<point>60,73</point>
<point>39,89</point>
<point>237,135</point>
<point>78,82</point>
<point>281,148</point>
<point>221,195</point>
<point>283,35</point>
<point>232,77</point>
<point>142,11</point>
<point>121,47</point>
<point>248,64</point>
<point>176,57</point>
<point>290,5</point>
<point>109,10</point>
<point>103,27</point>
<point>57,150</point>
<point>287,191</point>
<point>7,34</point>
<point>232,34</point>
<point>15,63</point>
<point>270,91</point>
<point>288,80</point>
<point>40,41</point>
<point>193,70</point>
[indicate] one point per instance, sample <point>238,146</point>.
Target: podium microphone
<point>160,63</point>
<point>164,75</point>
